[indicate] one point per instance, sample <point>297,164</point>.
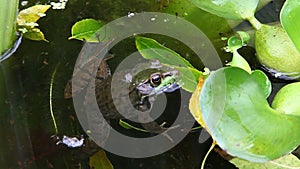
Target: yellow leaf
<point>32,14</point>
<point>194,104</point>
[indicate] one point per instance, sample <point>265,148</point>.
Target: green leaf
<point>188,77</point>
<point>159,52</point>
<point>289,17</point>
<point>237,115</point>
<point>31,14</point>
<point>231,9</point>
<point>27,19</point>
<point>245,36</point>
<point>151,49</point>
<point>35,34</point>
<point>100,161</point>
<point>276,51</point>
<point>239,61</point>
<point>287,99</point>
<point>288,161</point>
<point>235,43</point>
<point>87,29</point>
<point>263,81</point>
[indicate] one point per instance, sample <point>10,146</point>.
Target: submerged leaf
<point>231,9</point>
<point>289,17</point>
<point>87,29</point>
<point>100,161</point>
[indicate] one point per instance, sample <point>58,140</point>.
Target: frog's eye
<point>155,79</point>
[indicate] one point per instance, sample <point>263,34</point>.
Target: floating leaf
<point>164,55</point>
<point>87,29</point>
<point>35,34</point>
<point>289,17</point>
<point>27,19</point>
<point>263,81</point>
<point>188,78</point>
<point>231,9</point>
<point>32,14</point>
<point>239,61</point>
<point>234,43</point>
<point>287,99</point>
<point>276,51</point>
<point>245,36</point>
<point>237,115</point>
<point>288,161</point>
<point>151,49</point>
<point>100,161</point>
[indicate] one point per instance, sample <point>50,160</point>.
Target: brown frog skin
<point>107,103</point>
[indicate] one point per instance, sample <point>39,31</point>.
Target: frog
<point>141,90</point>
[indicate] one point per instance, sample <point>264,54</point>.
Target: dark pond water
<point>25,117</point>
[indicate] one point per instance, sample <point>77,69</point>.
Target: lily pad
<point>230,9</point>
<point>87,29</point>
<point>236,113</point>
<point>289,17</point>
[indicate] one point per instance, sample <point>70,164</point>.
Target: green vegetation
<point>8,17</point>
<point>231,102</point>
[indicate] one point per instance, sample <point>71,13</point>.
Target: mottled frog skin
<point>107,103</point>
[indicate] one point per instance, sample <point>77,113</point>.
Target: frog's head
<point>156,83</point>
<point>159,82</point>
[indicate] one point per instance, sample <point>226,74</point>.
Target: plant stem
<point>8,17</point>
<point>206,155</point>
<point>254,22</point>
<point>50,99</point>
